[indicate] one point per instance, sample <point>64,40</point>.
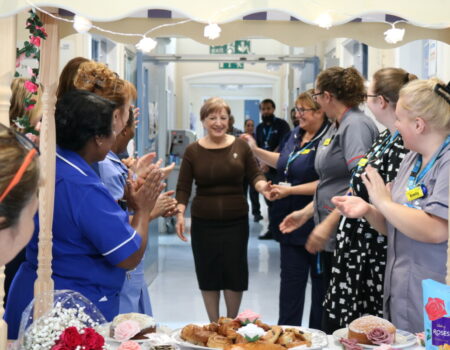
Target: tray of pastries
<point>225,334</point>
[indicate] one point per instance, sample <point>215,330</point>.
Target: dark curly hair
<point>346,84</point>
<point>80,115</point>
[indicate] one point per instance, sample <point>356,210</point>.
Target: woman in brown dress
<point>218,163</point>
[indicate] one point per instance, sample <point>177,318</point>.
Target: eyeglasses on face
<point>314,96</point>
<point>384,98</point>
<point>303,110</point>
<point>32,151</point>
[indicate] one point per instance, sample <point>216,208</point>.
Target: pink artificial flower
<point>126,330</point>
<point>30,86</point>
<point>30,71</point>
<point>248,316</point>
<point>42,29</point>
<point>129,345</point>
<point>32,137</point>
<point>29,108</point>
<point>19,59</point>
<point>35,40</point>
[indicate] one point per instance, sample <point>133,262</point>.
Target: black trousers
<point>296,264</point>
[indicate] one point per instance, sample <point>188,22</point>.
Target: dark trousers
<point>254,198</point>
<point>296,263</point>
<point>329,325</point>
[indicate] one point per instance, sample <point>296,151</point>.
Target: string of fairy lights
<point>211,30</point>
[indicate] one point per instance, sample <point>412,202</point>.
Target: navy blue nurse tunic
<point>91,235</point>
<point>296,262</point>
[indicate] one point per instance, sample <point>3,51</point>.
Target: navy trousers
<point>296,263</point>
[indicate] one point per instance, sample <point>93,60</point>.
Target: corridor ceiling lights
<point>324,20</point>
<point>394,35</point>
<point>146,44</point>
<point>81,24</point>
<point>212,31</point>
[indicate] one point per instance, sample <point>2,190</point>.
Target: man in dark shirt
<point>269,134</point>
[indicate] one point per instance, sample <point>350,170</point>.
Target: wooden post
<point>43,287</point>
<point>8,38</point>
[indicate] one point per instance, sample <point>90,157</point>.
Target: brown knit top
<point>219,176</point>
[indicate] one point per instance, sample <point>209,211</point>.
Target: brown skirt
<point>220,253</point>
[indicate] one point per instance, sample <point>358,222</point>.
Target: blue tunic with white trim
<point>91,235</point>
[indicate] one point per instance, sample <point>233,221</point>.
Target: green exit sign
<point>239,47</point>
<point>231,65</point>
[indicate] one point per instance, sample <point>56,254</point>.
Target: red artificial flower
<point>435,308</point>
<point>92,340</point>
<point>35,40</point>
<point>30,86</point>
<point>70,337</point>
<point>29,108</point>
<point>60,346</point>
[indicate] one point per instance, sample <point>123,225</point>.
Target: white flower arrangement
<point>251,332</point>
<point>43,334</point>
<point>70,309</point>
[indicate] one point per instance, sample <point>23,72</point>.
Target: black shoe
<point>267,235</point>
<point>257,217</point>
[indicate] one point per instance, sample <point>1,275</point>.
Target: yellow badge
<point>414,193</point>
<point>327,142</point>
<point>305,151</point>
<point>363,161</point>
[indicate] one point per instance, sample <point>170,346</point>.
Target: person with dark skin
<point>269,134</point>
<point>93,243</point>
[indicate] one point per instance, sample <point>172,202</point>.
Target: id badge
<point>305,151</point>
<point>285,184</point>
<point>327,141</point>
<point>414,193</point>
<point>362,162</point>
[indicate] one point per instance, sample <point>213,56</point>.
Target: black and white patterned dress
<point>359,260</point>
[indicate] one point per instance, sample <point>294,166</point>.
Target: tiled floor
<point>176,299</point>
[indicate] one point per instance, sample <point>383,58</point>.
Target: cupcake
<point>132,326</point>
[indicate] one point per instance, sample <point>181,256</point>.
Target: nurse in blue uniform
<point>297,183</point>
<point>93,243</point>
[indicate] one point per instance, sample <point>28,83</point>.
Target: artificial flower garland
<point>30,49</point>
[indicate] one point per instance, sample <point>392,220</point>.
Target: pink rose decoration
<point>35,40</point>
<point>350,344</point>
<point>29,108</point>
<point>129,345</point>
<point>19,59</point>
<point>126,330</point>
<point>247,316</point>
<point>380,336</point>
<point>30,86</point>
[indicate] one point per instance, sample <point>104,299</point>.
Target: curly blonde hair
<point>98,78</point>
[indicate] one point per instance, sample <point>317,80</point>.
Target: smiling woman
<point>218,163</point>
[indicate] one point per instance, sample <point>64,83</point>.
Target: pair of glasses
<point>314,96</point>
<point>303,110</point>
<point>384,98</point>
<point>32,151</point>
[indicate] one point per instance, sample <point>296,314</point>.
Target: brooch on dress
<point>235,155</point>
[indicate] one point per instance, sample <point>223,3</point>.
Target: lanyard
<point>390,140</point>
<point>267,135</point>
<point>417,177</point>
<point>304,150</point>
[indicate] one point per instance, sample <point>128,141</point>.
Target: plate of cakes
<point>239,334</point>
<point>372,331</point>
<point>140,328</point>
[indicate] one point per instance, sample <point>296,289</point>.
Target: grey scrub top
<point>410,261</point>
<point>334,162</point>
